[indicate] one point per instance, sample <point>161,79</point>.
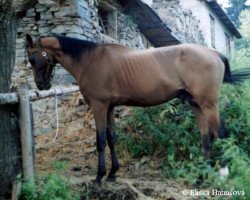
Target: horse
<point>111,74</point>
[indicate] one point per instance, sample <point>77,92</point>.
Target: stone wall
<point>73,18</point>
<point>184,25</point>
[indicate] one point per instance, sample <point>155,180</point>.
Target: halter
<point>50,63</point>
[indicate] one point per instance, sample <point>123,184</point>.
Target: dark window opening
<point>103,20</point>
<point>228,45</point>
<point>212,27</point>
<point>108,19</point>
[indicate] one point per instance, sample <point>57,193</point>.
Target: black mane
<point>74,47</point>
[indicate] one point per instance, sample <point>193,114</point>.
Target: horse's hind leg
<point>204,129</point>
<point>111,142</point>
<point>211,112</point>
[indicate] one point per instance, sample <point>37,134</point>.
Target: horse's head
<point>42,63</point>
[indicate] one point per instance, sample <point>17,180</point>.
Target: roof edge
<point>217,9</point>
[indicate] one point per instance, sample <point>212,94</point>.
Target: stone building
<point>217,29</point>
<point>135,23</point>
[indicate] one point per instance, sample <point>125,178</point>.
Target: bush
<point>48,187</point>
<point>169,131</point>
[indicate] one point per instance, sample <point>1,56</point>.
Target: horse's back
<point>152,76</point>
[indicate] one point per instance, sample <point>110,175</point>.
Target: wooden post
<point>16,190</point>
<point>26,127</point>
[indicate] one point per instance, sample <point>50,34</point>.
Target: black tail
<point>236,76</point>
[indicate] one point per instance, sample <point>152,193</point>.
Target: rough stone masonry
<point>73,18</point>
<point>83,19</point>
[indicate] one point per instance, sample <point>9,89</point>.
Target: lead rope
<point>57,120</point>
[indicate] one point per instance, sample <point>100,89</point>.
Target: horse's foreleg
<point>100,114</point>
<point>204,130</point>
<point>111,142</point>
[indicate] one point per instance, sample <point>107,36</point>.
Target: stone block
<point>67,29</point>
<point>83,24</point>
<point>31,13</point>
<point>83,3</point>
<point>31,10</point>
<point>20,45</point>
<point>54,8</point>
<point>43,30</point>
<point>27,20</point>
<point>34,28</point>
<point>40,8</point>
<point>63,12</point>
<point>20,41</point>
<point>47,3</point>
<point>35,33</point>
<point>69,23</point>
<point>74,35</point>
<point>20,52</point>
<point>50,22</point>
<point>79,9</point>
<point>27,29</point>
<point>41,23</point>
<point>46,16</point>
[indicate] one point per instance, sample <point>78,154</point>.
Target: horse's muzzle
<point>43,86</point>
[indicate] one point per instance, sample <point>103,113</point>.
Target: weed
<point>59,164</point>
<point>48,187</point>
<point>169,131</point>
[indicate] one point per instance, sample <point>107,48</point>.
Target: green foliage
<point>243,45</point>
<point>164,130</point>
<point>169,131</point>
<point>49,187</point>
<point>235,9</point>
<point>245,23</point>
<point>242,56</point>
<point>59,164</point>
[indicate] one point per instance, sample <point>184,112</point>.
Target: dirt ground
<point>137,179</point>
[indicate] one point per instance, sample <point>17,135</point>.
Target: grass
<point>59,164</point>
<point>48,187</point>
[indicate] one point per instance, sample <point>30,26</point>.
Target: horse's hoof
<point>97,181</point>
<point>111,178</point>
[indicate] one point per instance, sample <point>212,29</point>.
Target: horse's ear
<point>29,41</point>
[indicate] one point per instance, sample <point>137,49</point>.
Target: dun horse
<point>110,74</point>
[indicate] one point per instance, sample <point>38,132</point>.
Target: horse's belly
<point>147,97</point>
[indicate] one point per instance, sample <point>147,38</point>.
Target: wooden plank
<point>105,5</point>
<point>8,98</point>
<point>16,190</point>
<point>12,98</point>
<point>35,95</point>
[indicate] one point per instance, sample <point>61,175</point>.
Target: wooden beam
<point>8,98</point>
<point>35,95</point>
<point>12,98</point>
<point>105,5</point>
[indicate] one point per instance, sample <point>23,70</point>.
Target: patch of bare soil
<point>136,179</point>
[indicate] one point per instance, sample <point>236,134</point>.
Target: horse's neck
<point>74,67</point>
